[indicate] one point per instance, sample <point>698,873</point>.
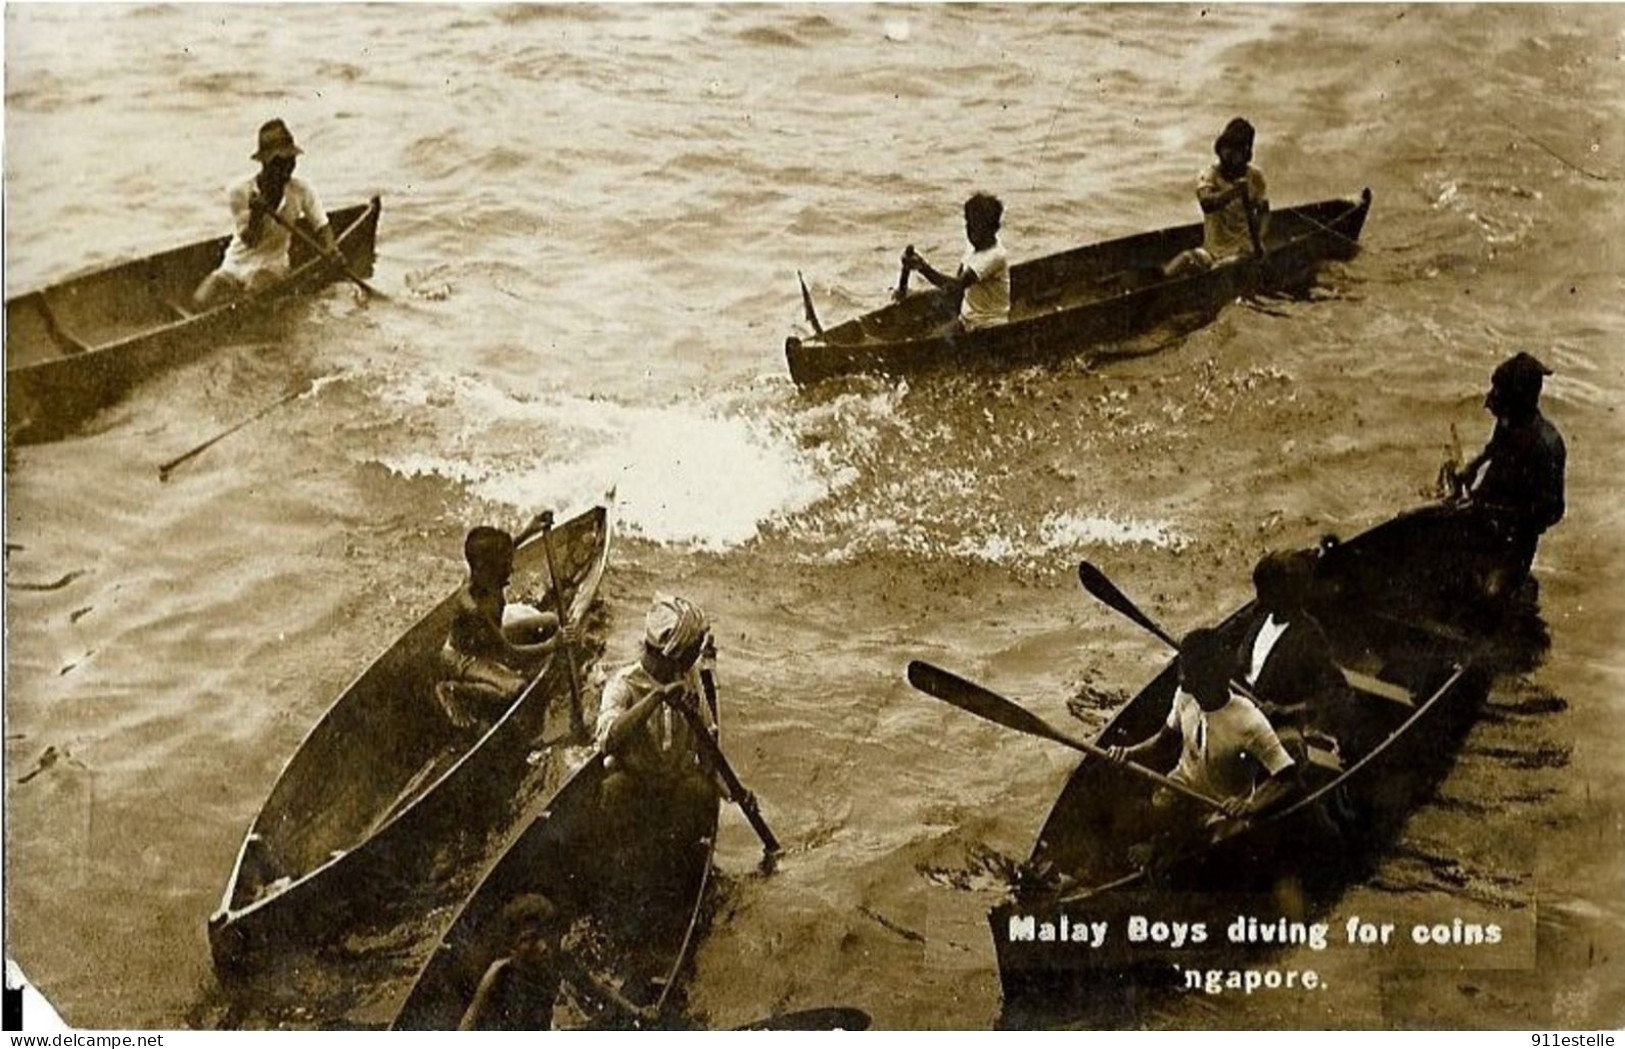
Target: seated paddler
<point>1217,742</point>
<point>651,708</point>
<point>519,990</point>
<point>1516,483</point>
<point>982,280</point>
<point>1285,657</point>
<point>264,209</point>
<point>1235,205</point>
<point>493,648</point>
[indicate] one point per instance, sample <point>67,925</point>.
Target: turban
<point>675,628</point>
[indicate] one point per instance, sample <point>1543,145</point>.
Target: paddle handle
<point>1252,221</point>
<point>578,724</point>
<point>902,277</point>
<point>337,258</point>
<point>742,797</point>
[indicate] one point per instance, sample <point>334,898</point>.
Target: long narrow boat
<point>640,901</point>
<point>77,346</point>
<point>1397,605</point>
<point>386,792</point>
<point>1067,303</point>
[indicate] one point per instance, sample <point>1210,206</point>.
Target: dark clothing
<point>524,997</point>
<point>1300,667</point>
<point>1522,474</point>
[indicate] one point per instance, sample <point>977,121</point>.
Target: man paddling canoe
<point>650,710</point>
<point>1235,205</point>
<point>258,254</point>
<point>493,647</point>
<point>1226,747</point>
<point>983,278</point>
<point>518,991</point>
<point>1516,483</point>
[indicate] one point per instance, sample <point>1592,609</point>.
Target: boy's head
<point>489,553</point>
<point>983,213</point>
<point>1204,668</point>
<point>1281,579</point>
<point>1515,387</point>
<point>1234,146</point>
<point>534,924</point>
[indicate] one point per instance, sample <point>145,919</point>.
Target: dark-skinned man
<point>257,256</point>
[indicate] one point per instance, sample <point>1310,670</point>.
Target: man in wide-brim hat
<point>258,254</point>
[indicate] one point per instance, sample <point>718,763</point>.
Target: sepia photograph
<point>942,516</point>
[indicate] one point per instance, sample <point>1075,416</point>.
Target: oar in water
<point>989,705</point>
<point>578,724</point>
<point>167,468</point>
<point>736,790</point>
<point>336,258</point>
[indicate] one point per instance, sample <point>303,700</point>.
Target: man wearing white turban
<point>642,726</point>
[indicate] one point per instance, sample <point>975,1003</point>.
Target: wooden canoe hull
<point>81,344</point>
<point>646,904</point>
<point>1402,634</point>
<point>1064,304</point>
<point>384,795</point>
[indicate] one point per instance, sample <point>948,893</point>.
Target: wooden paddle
<point>1252,222</point>
<point>167,468</point>
<point>974,699</point>
<point>736,790</point>
<point>829,1018</point>
<point>1095,581</point>
<point>336,258</point>
<point>902,278</point>
<point>578,724</point>
<point>806,304</point>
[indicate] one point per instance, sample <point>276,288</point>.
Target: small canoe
<point>386,792</point>
<point>1393,602</point>
<point>79,345</point>
<point>1064,304</point>
<point>642,902</point>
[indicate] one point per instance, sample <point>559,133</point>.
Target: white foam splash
<point>1069,531</point>
<point>683,473</point>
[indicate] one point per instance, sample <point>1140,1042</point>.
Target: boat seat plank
<point>61,334</point>
<point>1430,628</point>
<point>1375,686</point>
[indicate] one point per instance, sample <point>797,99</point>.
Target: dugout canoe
<point>385,793</point>
<point>1065,304</point>
<point>79,345</point>
<point>637,905</point>
<point>1397,604</point>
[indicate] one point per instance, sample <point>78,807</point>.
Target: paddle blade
<point>974,699</point>
<point>830,1018</point>
<point>1104,590</point>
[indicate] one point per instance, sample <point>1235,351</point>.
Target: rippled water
<point>593,218</point>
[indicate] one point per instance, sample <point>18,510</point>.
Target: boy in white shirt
<point>983,277</point>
